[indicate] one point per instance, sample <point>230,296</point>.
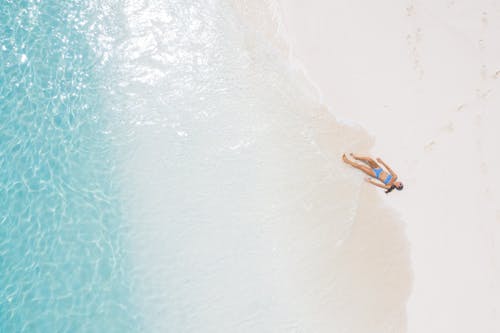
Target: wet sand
<point>423,78</point>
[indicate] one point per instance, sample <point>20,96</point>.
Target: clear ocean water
<point>165,168</point>
<point>62,261</point>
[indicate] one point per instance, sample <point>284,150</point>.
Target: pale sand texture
<point>423,77</point>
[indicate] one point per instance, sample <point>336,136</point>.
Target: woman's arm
<point>394,175</point>
<point>369,180</point>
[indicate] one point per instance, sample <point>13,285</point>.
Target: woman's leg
<point>367,160</point>
<point>361,167</point>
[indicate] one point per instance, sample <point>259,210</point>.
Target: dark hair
<point>394,187</point>
<point>390,189</point>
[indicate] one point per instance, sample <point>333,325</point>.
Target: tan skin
<point>369,165</point>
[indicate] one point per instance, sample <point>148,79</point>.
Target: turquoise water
<point>63,264</point>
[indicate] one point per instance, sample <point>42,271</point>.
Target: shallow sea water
<point>62,259</point>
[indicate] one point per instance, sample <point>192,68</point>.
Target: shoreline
<point>253,226</point>
<point>395,65</point>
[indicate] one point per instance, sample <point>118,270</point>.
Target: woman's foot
<point>345,158</point>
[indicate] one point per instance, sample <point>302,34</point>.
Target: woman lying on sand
<point>387,178</point>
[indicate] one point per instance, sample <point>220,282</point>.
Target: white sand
<point>423,77</point>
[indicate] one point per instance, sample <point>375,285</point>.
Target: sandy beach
<point>423,78</point>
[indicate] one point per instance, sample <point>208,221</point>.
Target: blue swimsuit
<point>378,171</point>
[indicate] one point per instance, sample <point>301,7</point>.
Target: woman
<point>387,178</point>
